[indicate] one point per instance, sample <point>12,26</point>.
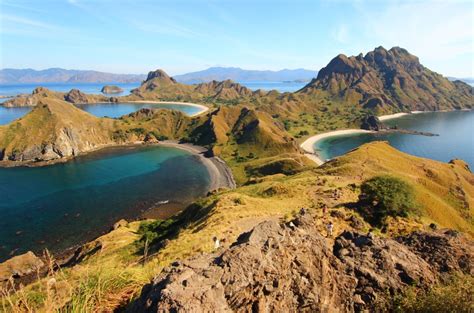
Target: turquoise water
<point>455,140</point>
<point>61,205</point>
<point>118,109</point>
<point>113,110</point>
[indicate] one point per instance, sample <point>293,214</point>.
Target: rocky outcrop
<point>371,122</point>
<point>389,80</point>
<point>111,89</point>
<point>19,266</point>
<point>292,267</point>
<point>76,96</point>
<point>73,96</point>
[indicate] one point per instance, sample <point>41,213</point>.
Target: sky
<point>182,36</point>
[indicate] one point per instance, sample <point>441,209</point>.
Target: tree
<point>386,195</point>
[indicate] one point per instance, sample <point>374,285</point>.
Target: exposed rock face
<point>392,79</point>
<point>76,96</point>
<point>371,122</point>
<point>111,89</point>
<point>288,268</point>
<point>19,266</point>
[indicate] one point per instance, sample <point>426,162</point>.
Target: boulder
<point>20,266</point>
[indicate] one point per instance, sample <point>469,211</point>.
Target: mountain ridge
<point>60,75</point>
<point>239,74</point>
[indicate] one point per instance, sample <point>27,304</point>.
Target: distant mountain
<point>59,75</point>
<point>467,80</point>
<point>389,80</point>
<point>241,75</point>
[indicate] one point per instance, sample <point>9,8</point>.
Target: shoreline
<point>195,105</point>
<point>219,173</point>
<point>392,116</point>
<point>312,154</point>
<point>308,144</point>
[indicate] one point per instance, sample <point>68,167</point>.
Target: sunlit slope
<point>444,190</point>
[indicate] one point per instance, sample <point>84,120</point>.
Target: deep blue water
<point>62,205</point>
<point>455,140</point>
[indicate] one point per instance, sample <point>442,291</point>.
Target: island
<point>111,89</point>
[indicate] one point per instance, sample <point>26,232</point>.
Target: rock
<point>20,266</point>
<point>444,249</point>
<point>371,122</point>
<point>111,89</point>
<point>276,268</point>
<point>76,96</point>
<point>121,223</point>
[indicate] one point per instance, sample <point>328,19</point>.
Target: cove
<point>62,205</point>
<point>113,110</point>
<point>455,140</point>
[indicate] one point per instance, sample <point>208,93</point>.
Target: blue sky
<point>180,36</point>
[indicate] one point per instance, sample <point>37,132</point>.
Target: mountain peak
<point>159,74</point>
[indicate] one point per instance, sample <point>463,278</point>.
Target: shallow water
<point>455,140</point>
<point>61,205</point>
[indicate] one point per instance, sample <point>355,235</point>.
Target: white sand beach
<point>200,106</point>
<point>391,116</point>
<point>308,144</point>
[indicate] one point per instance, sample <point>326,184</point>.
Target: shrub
<point>383,196</point>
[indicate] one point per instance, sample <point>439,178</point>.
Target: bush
<point>455,294</point>
<point>383,196</point>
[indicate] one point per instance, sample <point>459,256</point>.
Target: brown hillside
<point>444,190</point>
<point>392,80</point>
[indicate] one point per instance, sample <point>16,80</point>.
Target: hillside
<point>253,224</point>
<point>389,81</point>
<point>59,75</point>
<point>241,75</point>
<point>160,86</point>
<point>53,129</point>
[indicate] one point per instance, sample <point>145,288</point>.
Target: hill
<point>160,86</point>
<point>241,75</point>
<point>389,81</point>
<point>59,75</point>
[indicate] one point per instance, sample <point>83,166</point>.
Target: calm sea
<point>61,205</point>
<point>455,140</point>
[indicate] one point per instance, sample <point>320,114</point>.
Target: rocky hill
<point>54,129</point>
<point>73,96</point>
<point>292,267</point>
<point>160,86</point>
<point>389,80</point>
